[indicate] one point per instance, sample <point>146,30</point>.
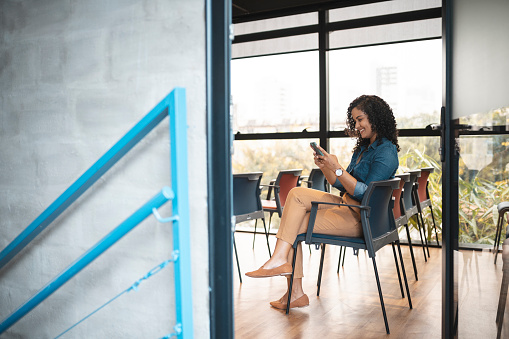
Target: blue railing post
<point>181,229</point>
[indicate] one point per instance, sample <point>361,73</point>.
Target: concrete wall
<point>74,77</point>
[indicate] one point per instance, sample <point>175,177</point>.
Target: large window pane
<point>278,93</point>
<point>408,76</point>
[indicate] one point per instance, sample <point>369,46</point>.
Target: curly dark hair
<point>380,117</point>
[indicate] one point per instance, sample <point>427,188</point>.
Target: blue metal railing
<point>173,105</point>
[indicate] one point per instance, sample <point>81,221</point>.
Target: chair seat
<point>269,205</point>
<point>331,239</point>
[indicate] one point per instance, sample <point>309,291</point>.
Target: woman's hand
<point>326,161</point>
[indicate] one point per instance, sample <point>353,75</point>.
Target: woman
<point>375,157</point>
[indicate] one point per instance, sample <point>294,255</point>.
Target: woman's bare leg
<point>297,290</point>
<point>297,293</point>
<point>280,255</point>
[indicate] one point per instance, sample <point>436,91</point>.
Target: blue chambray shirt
<point>379,162</point>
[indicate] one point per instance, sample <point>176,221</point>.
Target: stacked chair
<point>400,217</point>
<point>247,204</point>
<point>411,200</point>
<point>281,186</point>
<point>424,196</point>
<point>379,229</point>
<point>316,180</point>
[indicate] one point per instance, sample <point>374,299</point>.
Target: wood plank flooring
<point>348,305</point>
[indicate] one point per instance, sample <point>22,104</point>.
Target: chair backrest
<point>408,195</point>
<point>399,209</point>
<point>285,181</point>
<point>422,181</point>
<point>317,180</point>
<point>246,196</point>
<point>378,224</point>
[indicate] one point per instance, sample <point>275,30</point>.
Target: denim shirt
<point>378,162</point>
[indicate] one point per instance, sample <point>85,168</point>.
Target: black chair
<point>424,196</point>
<point>281,186</point>
<point>379,229</point>
<point>247,204</point>
<point>411,209</point>
<point>502,209</point>
<point>400,217</point>
<point>316,180</point>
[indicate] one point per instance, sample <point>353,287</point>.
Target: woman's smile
<point>363,125</point>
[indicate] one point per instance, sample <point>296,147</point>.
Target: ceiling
<point>246,10</point>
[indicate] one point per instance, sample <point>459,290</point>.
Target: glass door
<point>475,156</point>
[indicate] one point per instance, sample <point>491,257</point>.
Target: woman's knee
<point>297,191</point>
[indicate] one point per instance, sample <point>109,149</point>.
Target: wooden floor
<point>348,305</point>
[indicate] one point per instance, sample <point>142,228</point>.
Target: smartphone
<point>315,148</point>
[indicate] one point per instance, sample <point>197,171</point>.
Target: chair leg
<point>291,280</point>
<point>411,251</point>
<point>502,301</point>
<point>498,235</point>
<point>397,270</point>
<point>424,231</point>
<point>339,260</point>
<point>422,240</point>
<point>380,295</point>
<point>404,275</point>
<point>342,253</point>
<point>434,225</point>
<point>270,219</point>
<point>254,235</point>
<point>319,281</point>
<point>237,258</point>
<point>267,237</point>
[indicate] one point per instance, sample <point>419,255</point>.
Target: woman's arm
<point>329,163</point>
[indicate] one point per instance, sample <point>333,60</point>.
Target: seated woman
<point>375,157</point>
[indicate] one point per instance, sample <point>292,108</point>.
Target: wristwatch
<point>339,172</point>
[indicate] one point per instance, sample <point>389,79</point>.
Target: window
<point>407,75</point>
<point>278,93</point>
